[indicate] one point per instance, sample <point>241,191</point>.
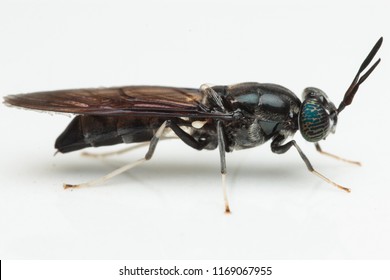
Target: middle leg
<point>199,145</point>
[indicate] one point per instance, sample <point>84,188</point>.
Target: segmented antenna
<point>348,97</point>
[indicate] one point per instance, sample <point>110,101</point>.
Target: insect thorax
<point>266,110</point>
<point>254,132</point>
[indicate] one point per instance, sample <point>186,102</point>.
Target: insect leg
<point>318,148</point>
<point>192,142</point>
<point>279,148</point>
<point>185,137</point>
<point>148,156</point>
<point>114,153</point>
<point>121,151</point>
<point>222,151</point>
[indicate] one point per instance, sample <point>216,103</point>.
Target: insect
<point>229,118</point>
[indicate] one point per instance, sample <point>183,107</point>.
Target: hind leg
<point>115,153</point>
<point>121,151</point>
<point>148,156</point>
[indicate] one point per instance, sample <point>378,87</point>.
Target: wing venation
<point>130,100</point>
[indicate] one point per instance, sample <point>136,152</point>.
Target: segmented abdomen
<point>94,131</point>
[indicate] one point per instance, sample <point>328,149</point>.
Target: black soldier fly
<point>231,118</point>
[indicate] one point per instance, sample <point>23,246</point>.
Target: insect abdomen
<point>94,131</point>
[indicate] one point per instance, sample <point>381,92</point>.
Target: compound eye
<point>314,122</point>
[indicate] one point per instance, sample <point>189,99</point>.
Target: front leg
<point>278,147</point>
<point>318,148</point>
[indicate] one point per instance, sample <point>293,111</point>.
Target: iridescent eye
<point>314,120</point>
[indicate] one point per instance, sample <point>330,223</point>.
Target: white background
<point>172,207</point>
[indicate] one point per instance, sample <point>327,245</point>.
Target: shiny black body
<point>265,111</point>
<point>258,113</point>
<point>231,118</point>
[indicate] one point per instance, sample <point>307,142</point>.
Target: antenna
<point>348,97</point>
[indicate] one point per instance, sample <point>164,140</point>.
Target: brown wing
<point>134,100</point>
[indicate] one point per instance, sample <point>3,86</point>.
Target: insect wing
<point>130,100</point>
